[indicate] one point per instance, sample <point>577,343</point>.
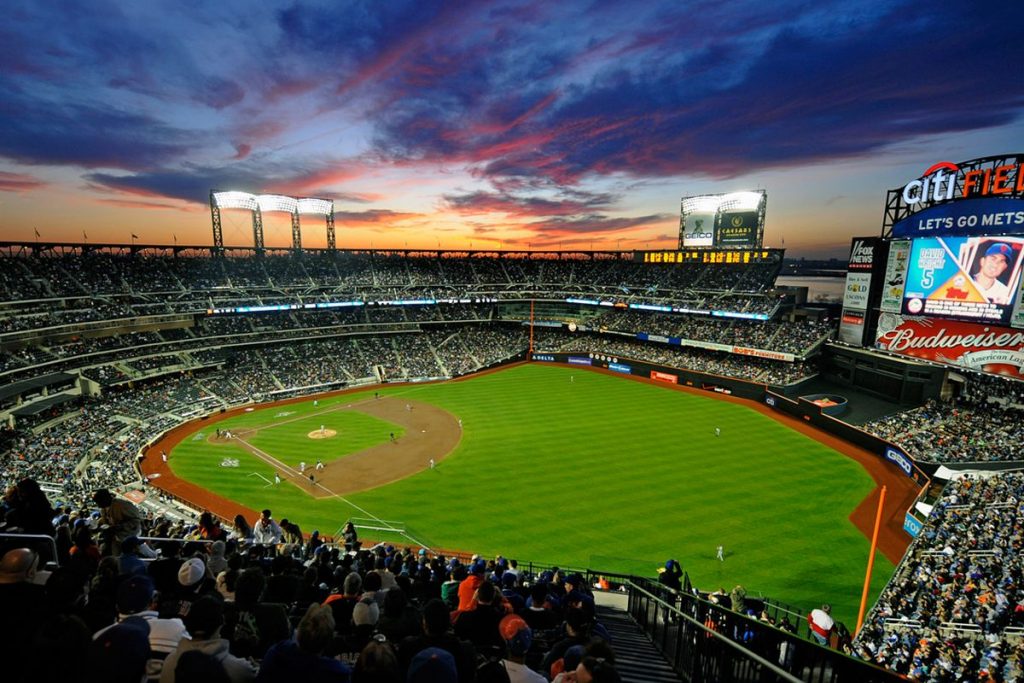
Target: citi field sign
<point>980,197</point>
<point>939,183</point>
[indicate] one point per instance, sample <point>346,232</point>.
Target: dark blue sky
<point>506,123</point>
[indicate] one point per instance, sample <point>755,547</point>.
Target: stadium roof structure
<point>37,407</point>
<point>19,388</point>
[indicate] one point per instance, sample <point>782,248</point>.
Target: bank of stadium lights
<point>713,203</point>
<point>741,201</point>
<point>705,203</point>
<point>258,204</point>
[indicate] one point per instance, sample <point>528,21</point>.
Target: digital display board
<point>964,278</point>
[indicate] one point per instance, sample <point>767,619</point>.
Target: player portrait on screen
<point>992,270</point>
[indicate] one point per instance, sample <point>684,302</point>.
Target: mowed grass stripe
<point>562,471</point>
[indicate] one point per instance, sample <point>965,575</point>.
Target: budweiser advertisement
<point>985,348</point>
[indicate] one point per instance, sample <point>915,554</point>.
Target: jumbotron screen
<point>964,278</point>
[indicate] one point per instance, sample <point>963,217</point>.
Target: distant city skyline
<point>511,124</point>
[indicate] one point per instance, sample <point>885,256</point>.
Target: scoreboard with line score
<point>710,256</point>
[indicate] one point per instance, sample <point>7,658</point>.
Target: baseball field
<point>559,466</point>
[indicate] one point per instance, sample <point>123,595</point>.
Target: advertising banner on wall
<point>858,286</point>
<point>895,276</point>
<point>984,348</point>
<point>858,289</point>
<point>737,229</point>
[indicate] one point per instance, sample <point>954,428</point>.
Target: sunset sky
<point>518,124</point>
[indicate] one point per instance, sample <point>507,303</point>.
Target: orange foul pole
<point>531,328</point>
<point>871,562</point>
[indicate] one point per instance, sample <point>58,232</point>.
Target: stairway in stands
<point>636,658</point>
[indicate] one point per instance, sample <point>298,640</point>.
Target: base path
<point>430,433</point>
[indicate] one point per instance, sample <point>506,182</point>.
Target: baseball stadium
<point>512,342</point>
<point>588,414</point>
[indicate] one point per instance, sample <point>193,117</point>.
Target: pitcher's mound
<point>325,434</point>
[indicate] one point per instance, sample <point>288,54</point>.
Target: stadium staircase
<point>636,658</point>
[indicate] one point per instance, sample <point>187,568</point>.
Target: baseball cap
<point>191,572</point>
<point>134,594</point>
<point>517,634</point>
<point>1001,248</point>
<point>479,567</point>
<point>120,653</point>
<point>432,665</point>
<point>365,613</point>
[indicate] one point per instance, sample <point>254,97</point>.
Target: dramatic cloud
<point>19,182</point>
<point>520,115</point>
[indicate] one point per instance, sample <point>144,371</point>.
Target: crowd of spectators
<point>69,288</point>
<point>131,598</point>
<point>985,423</point>
<point>752,369</point>
<point>954,610</point>
<point>797,338</point>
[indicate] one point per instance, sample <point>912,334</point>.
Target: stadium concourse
<point>104,350</point>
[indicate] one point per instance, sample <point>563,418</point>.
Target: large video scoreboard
<point>945,282</point>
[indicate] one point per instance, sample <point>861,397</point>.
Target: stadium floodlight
<point>705,203</point>
<point>235,200</point>
<point>276,202</point>
<point>321,207</point>
<point>262,203</point>
<point>741,201</point>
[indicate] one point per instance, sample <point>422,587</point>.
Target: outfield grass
<point>594,470</point>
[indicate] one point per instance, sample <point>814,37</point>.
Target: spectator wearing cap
<point>121,653</point>
<point>468,588</point>
<point>518,638</point>
<point>266,531</point>
<point>120,515</point>
<point>193,581</point>
<point>204,621</point>
<point>21,614</point>
<point>433,665</point>
<point>130,563</point>
<point>538,613</point>
<point>437,634</point>
<point>365,616</point>
<point>671,576</point>
<point>135,598</point>
<point>301,658</point>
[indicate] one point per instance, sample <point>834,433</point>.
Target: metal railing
<point>44,545</point>
<point>704,642</point>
